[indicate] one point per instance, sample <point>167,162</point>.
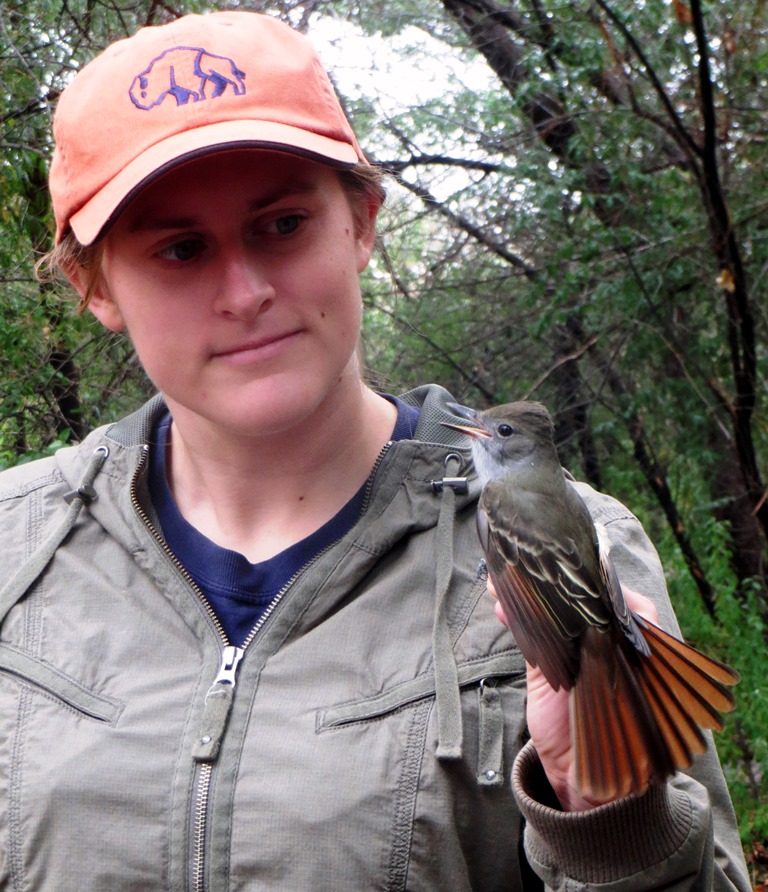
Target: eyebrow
<point>158,221</point>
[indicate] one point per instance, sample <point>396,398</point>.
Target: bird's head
<point>504,438</point>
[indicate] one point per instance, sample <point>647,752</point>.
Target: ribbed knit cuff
<point>603,844</point>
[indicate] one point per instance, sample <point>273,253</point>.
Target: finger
<point>640,604</point>
<point>497,606</point>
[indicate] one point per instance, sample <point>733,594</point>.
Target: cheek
<point>339,315</point>
<point>164,340</point>
<point>157,354</point>
<point>334,281</point>
<point>345,303</point>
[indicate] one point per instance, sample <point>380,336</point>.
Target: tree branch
<point>652,471</point>
<point>741,326</point>
<point>469,377</point>
<point>680,128</point>
<point>470,228</point>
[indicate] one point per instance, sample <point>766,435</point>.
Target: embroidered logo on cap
<point>187,74</point>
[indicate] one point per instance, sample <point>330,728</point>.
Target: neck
<point>487,464</point>
<point>259,494</point>
<point>535,468</point>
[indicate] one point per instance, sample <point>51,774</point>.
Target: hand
<point>549,719</point>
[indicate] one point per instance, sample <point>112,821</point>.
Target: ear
<point>98,299</point>
<point>366,230</point>
<point>104,308</point>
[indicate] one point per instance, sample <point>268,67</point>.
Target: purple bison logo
<point>186,73</point>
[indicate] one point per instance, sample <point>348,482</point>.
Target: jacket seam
<point>55,478</point>
<point>467,609</point>
<point>407,793</point>
<point>373,552</point>
<point>616,518</point>
<point>409,693</point>
<point>59,697</point>
<point>34,521</point>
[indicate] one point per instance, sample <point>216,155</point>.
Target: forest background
<point>576,214</point>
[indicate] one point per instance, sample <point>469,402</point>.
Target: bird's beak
<point>476,427</point>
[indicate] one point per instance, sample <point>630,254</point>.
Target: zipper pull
<point>218,702</point>
<point>230,658</point>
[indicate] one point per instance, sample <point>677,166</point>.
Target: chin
<point>277,411</point>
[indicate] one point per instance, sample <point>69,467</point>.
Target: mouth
<point>475,429</point>
<point>258,348</point>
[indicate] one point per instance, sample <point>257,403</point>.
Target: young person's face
<point>236,276</point>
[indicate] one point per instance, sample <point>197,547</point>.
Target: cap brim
<point>98,215</point>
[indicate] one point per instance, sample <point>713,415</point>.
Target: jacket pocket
<point>506,664</point>
<point>58,685</point>
<point>491,734</point>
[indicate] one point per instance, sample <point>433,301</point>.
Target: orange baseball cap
<point>174,92</point>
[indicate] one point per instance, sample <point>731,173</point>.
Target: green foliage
<point>60,375</point>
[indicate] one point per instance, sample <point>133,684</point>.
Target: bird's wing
<point>549,594</point>
<point>624,616</point>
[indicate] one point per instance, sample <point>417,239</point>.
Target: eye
<point>288,224</point>
<point>182,251</point>
<point>505,430</point>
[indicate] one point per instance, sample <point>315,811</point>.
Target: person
<point>246,640</point>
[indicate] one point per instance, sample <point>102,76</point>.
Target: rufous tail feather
<point>638,718</point>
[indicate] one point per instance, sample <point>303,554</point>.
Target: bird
<point>638,696</point>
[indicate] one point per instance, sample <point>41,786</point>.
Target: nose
<point>243,289</point>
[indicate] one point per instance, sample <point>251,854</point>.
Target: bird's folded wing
<point>533,592</point>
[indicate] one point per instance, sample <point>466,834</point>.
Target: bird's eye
<point>506,430</point>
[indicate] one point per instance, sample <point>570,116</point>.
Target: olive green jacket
<point>370,735</point>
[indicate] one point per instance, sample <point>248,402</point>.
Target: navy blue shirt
<point>237,590</point>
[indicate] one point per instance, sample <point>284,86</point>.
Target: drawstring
<point>447,694</point>
<point>18,584</point>
<point>447,690</point>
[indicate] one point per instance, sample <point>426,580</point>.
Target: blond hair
<point>71,261</point>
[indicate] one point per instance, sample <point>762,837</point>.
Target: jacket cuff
<point>602,844</point>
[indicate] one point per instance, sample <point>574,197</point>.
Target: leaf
<point>683,13</point>
<point>725,280</point>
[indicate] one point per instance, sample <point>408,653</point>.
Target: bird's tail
<point>642,720</point>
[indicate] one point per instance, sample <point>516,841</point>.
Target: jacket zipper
<point>231,657</point>
<point>204,770</point>
<point>169,554</point>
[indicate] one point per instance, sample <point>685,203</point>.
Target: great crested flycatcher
<point>638,696</point>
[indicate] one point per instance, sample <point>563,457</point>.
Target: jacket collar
<point>430,399</point>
